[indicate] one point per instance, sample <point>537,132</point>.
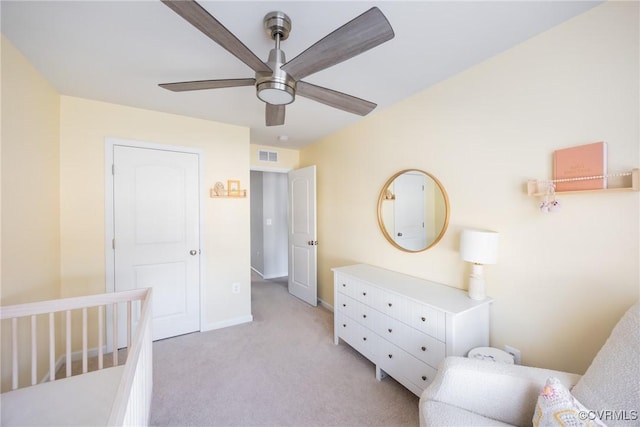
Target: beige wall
<point>53,195</point>
<point>84,126</point>
<point>563,279</point>
<point>287,158</point>
<point>30,264</point>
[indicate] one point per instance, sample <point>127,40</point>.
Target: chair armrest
<point>507,393</point>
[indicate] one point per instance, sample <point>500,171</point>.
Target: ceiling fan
<point>277,81</point>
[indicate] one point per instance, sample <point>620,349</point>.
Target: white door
<point>156,230</point>
<point>302,235</point>
<point>409,206</point>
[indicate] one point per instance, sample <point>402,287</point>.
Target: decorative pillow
<point>557,407</point>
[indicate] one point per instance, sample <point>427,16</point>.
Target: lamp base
<point>476,284</point>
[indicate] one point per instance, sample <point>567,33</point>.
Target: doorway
<point>269,232</point>
<point>283,229</point>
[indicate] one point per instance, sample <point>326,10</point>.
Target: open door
<point>303,246</point>
<point>409,214</point>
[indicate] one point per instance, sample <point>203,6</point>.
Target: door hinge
<point>113,169</point>
<point>113,244</point>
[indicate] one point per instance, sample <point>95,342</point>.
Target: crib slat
<point>52,347</point>
<point>14,343</point>
<point>100,336</point>
<point>34,352</point>
<point>68,343</point>
<point>85,365</point>
<point>115,334</point>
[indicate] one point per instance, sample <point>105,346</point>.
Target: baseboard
<point>276,276</point>
<point>325,305</point>
<point>257,272</point>
<point>76,355</point>
<point>226,323</point>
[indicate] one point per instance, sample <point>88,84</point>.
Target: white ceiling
<point>118,51</point>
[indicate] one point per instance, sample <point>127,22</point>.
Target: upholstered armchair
<point>469,392</point>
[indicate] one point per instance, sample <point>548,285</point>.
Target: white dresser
<point>403,324</point>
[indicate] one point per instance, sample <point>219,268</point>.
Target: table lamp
<point>478,247</point>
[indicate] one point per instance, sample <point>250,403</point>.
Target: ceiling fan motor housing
<point>276,88</point>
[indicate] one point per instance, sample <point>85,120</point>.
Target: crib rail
<point>66,306</point>
<point>133,399</point>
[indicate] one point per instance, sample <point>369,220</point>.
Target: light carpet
<point>282,369</point>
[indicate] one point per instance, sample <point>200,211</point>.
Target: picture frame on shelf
<point>233,188</point>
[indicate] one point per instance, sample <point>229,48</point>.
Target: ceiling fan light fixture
<point>275,93</point>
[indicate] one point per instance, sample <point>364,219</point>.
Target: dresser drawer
<point>420,373</point>
<point>361,313</point>
<point>393,360</point>
<point>393,305</point>
<point>424,347</point>
<point>426,319</point>
<point>404,367</point>
<point>360,338</point>
<point>358,290</point>
<point>392,330</point>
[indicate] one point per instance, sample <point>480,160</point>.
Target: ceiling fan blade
<point>355,37</point>
<point>335,99</point>
<point>206,84</point>
<point>275,115</point>
<point>197,16</point>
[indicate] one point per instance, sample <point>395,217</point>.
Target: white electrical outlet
<point>517,356</point>
<point>235,288</point>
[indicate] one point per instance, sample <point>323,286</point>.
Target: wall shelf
<point>225,194</point>
<point>625,182</point>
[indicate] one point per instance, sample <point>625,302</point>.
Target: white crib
<point>115,395</point>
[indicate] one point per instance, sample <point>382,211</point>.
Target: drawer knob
<point>364,338</point>
<point>424,319</point>
<point>344,325</point>
<point>424,378</point>
<point>423,348</point>
<point>364,315</point>
<point>344,305</point>
<point>390,356</point>
<point>344,285</point>
<point>364,294</point>
<point>390,304</point>
<point>389,330</point>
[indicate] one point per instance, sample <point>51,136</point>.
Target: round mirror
<point>413,210</point>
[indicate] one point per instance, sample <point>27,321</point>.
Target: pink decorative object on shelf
<point>583,167</point>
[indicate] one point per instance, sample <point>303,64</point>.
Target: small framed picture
<point>233,188</point>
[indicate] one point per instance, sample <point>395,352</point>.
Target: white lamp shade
<point>479,246</point>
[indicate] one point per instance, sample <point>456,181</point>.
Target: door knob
<point>193,252</point>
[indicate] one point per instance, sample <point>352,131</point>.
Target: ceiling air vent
<point>268,156</point>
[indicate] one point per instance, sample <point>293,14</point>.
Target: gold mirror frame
<point>384,195</point>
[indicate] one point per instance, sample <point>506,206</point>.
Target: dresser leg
<point>380,374</point>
